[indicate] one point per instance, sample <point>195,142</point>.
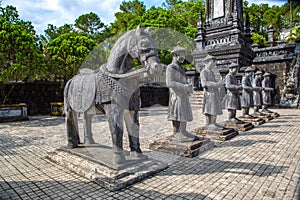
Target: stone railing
<point>281,52</point>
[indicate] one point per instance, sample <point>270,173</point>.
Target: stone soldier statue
<point>256,84</point>
<point>266,92</point>
<point>212,102</point>
<point>247,94</point>
<point>180,111</point>
<point>232,100</point>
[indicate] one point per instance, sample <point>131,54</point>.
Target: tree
<point>128,11</point>
<point>273,17</point>
<point>10,14</point>
<point>20,57</point>
<point>190,10</point>
<point>259,39</point>
<point>91,26</point>
<point>170,4</point>
<point>285,11</point>
<point>53,32</point>
<point>257,23</point>
<point>66,53</point>
<point>89,23</point>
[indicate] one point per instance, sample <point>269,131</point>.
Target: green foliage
<point>20,57</point>
<point>177,26</point>
<point>259,39</point>
<point>66,53</point>
<point>91,26</point>
<point>53,32</point>
<point>170,4</point>
<point>190,10</point>
<point>89,23</point>
<point>128,11</point>
<point>272,18</point>
<point>257,23</point>
<point>262,16</point>
<point>66,47</point>
<point>295,33</point>
<point>285,10</point>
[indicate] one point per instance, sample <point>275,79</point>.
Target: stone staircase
<point>196,100</point>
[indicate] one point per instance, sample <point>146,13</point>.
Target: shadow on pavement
<point>56,189</point>
<point>9,147</point>
<point>242,143</point>
<point>259,133</point>
<point>39,121</point>
<point>273,125</point>
<point>206,166</point>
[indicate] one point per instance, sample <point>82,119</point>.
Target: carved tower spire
<point>200,34</point>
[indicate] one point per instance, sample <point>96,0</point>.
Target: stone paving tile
<point>262,163</point>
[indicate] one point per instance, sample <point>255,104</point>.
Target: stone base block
<point>222,135</point>
<point>13,112</point>
<point>95,163</point>
<point>239,127</point>
<point>255,121</point>
<point>186,149</point>
<point>272,114</point>
<point>267,117</point>
<point>275,115</point>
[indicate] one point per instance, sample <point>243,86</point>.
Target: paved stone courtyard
<point>263,163</point>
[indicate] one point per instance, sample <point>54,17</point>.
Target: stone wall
<point>36,95</point>
<point>279,69</point>
<point>152,95</point>
<point>276,60</point>
<point>39,95</point>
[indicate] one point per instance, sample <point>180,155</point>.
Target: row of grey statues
<point>114,91</point>
<point>255,93</point>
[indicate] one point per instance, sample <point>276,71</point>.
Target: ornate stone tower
<point>224,35</point>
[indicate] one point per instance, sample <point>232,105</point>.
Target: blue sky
<point>59,12</point>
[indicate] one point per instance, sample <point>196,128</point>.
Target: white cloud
<point>270,2</point>
<point>59,12</point>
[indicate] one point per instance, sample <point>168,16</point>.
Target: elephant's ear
<point>139,30</point>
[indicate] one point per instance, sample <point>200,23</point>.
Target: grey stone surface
<point>186,149</point>
<point>94,163</point>
<point>221,134</point>
<point>263,163</point>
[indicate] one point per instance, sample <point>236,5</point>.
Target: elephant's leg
<point>131,119</point>
<point>72,129</point>
<point>115,120</point>
<point>87,127</point>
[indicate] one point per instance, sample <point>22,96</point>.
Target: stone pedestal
<point>239,127</point>
<point>222,135</point>
<point>256,121</point>
<point>275,115</point>
<point>267,117</point>
<point>272,114</point>
<point>95,163</point>
<point>186,149</point>
<point>14,112</point>
<point>57,109</point>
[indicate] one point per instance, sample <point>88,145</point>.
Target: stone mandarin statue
<point>212,100</point>
<point>256,84</point>
<point>266,92</point>
<point>247,94</point>
<point>232,101</point>
<point>180,111</point>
